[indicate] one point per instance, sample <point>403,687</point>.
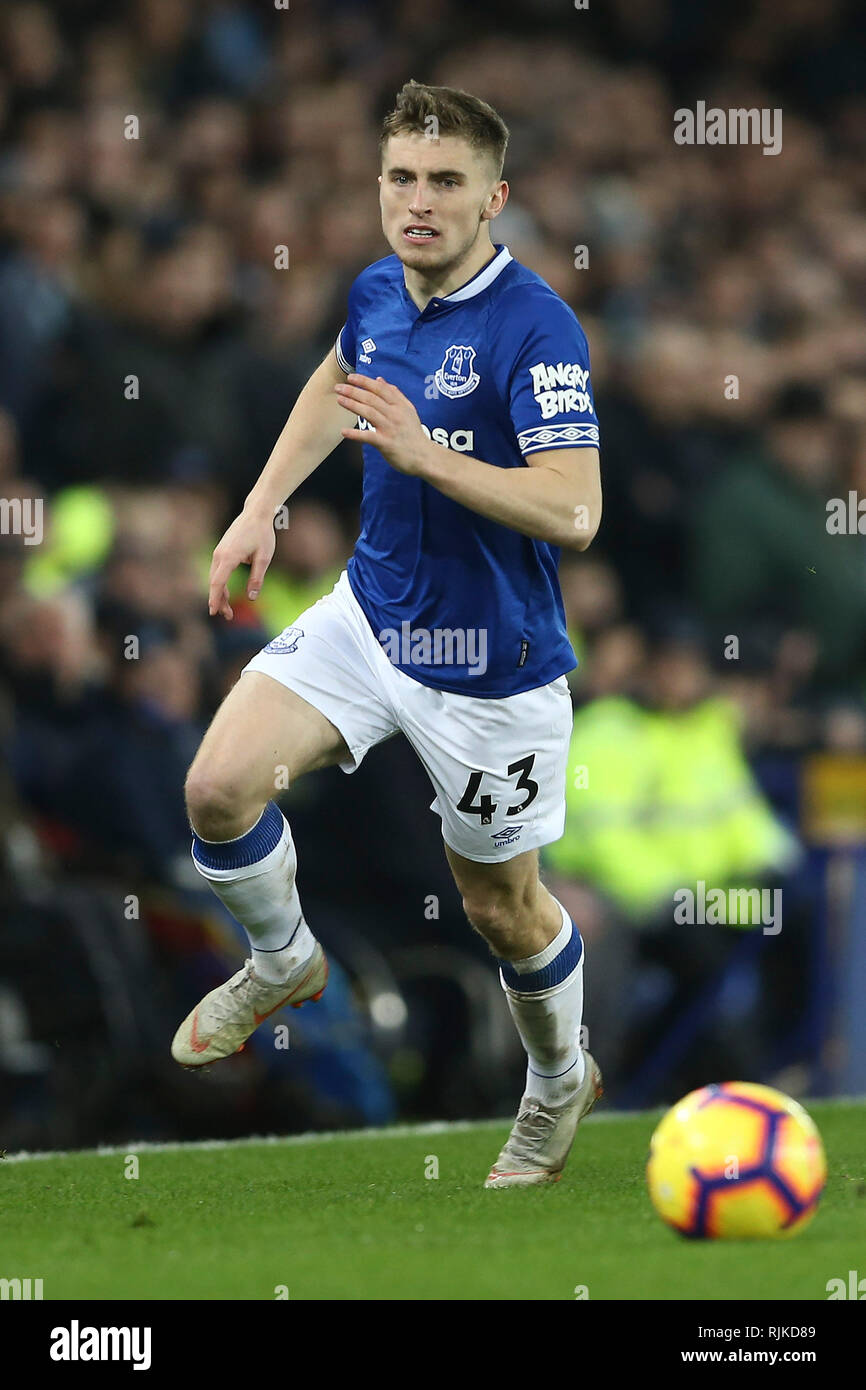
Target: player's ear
<point>495,202</point>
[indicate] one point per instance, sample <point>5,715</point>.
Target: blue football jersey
<point>499,370</point>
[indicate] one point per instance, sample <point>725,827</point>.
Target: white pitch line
<point>331,1136</point>
<point>335,1136</point>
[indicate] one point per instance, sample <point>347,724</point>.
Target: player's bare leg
<point>262,736</point>
<point>540,954</point>
<point>260,728</point>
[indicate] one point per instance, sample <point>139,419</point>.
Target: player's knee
<point>494,918</point>
<point>218,805</point>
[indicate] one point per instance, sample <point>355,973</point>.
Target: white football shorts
<point>498,767</point>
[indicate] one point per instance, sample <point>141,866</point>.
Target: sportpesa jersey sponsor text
<point>498,369</point>
<point>462,441</point>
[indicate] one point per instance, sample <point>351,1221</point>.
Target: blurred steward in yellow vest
<point>660,795</point>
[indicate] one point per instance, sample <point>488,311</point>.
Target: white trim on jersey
<point>480,282</point>
<point>344,365</point>
<point>562,436</point>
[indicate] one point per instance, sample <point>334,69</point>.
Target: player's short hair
<point>456,113</point>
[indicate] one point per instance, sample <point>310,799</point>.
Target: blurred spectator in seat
<point>311,550</point>
<point>660,793</point>
<point>660,798</point>
<point>761,545</point>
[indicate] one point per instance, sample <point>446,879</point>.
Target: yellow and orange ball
<point>734,1161</point>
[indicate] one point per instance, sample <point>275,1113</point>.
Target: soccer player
<point>466,380</point>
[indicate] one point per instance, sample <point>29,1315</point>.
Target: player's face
<point>437,197</point>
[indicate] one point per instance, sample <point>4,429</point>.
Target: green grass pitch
<point>355,1217</point>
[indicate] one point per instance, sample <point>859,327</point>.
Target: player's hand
<point>250,540</point>
<point>399,436</point>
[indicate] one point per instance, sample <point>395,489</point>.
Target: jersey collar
<point>480,281</point>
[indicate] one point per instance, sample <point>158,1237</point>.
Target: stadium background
<point>150,350</point>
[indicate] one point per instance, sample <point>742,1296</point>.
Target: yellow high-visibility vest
<point>658,800</point>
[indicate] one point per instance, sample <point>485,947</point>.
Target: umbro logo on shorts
<point>287,641</point>
<point>507,835</point>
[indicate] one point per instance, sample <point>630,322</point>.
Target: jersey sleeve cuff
<point>341,356</point>
<point>557,437</point>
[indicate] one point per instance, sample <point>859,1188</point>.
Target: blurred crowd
<point>188,189</point>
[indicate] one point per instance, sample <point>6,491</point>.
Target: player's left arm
<point>556,499</point>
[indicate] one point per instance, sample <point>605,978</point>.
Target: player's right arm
<point>312,431</point>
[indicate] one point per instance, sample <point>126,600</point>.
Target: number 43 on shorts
<point>487,807</point>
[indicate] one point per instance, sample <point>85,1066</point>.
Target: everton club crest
<point>287,642</point>
<point>455,377</point>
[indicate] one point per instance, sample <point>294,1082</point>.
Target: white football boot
<point>220,1025</point>
<point>539,1143</point>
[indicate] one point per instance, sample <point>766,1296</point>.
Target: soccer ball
<point>736,1160</point>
